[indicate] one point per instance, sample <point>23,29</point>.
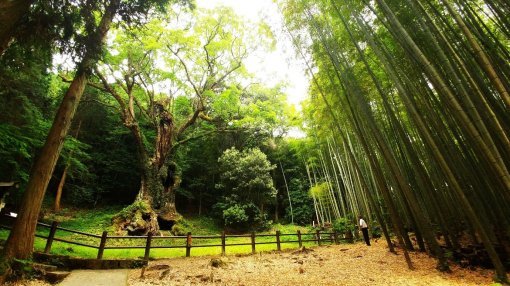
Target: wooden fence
<point>189,241</point>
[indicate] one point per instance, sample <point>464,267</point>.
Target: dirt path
<point>330,265</point>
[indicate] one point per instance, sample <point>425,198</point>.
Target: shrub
<point>181,227</point>
<point>343,225</point>
<point>178,230</point>
<point>240,216</point>
<point>235,216</point>
<point>376,231</point>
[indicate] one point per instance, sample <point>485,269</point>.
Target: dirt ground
<point>355,264</point>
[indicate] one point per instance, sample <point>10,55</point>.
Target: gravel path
<point>96,278</point>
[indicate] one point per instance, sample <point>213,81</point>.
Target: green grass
<point>97,221</point>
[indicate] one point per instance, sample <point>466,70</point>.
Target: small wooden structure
<point>5,188</point>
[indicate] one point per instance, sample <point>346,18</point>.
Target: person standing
<point>364,229</point>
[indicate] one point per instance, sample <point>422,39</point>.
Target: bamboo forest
<point>255,142</point>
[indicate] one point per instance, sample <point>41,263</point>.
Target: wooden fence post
<point>299,238</point>
<point>188,244</point>
<point>223,243</point>
<point>278,245</point>
<point>318,233</point>
<point>335,236</point>
<point>101,245</point>
<point>51,235</point>
<point>148,246</point>
<point>253,243</point>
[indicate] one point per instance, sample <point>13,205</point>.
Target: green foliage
<point>267,110</point>
<point>235,216</point>
<point>246,174</point>
<point>178,229</point>
<point>23,269</point>
<point>4,264</point>
<point>320,189</point>
<point>25,107</point>
<point>375,230</point>
<point>226,104</point>
<point>343,225</point>
<point>181,227</point>
<point>302,203</point>
<point>240,216</point>
<point>290,228</point>
<point>245,180</point>
<point>88,220</point>
<point>107,170</point>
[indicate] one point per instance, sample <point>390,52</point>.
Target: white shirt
<point>362,223</point>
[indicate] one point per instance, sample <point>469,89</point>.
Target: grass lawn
<point>97,221</point>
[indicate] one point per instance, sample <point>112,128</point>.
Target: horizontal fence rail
<point>186,242</point>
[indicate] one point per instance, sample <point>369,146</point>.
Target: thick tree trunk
<point>158,180</point>
<point>157,195</point>
<point>168,180</point>
<point>21,239</point>
<point>20,243</point>
<point>167,212</point>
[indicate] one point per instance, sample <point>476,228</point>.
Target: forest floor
<point>345,264</point>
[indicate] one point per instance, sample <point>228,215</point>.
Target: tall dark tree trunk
<point>21,238</point>
<point>20,243</point>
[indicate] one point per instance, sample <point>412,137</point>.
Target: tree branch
<point>108,88</point>
<point>190,121</point>
<point>99,102</point>
<point>200,136</point>
<point>237,66</point>
<point>186,70</point>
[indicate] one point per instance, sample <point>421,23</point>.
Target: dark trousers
<point>364,230</point>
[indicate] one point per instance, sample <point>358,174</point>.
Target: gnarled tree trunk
<point>158,188</point>
<point>154,207</point>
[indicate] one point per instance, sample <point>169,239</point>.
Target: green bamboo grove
<point>409,112</point>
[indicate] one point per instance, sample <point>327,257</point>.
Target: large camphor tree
<point>166,78</point>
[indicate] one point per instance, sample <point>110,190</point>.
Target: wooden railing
<point>188,241</point>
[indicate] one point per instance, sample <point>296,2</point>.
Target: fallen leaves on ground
<point>354,264</point>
